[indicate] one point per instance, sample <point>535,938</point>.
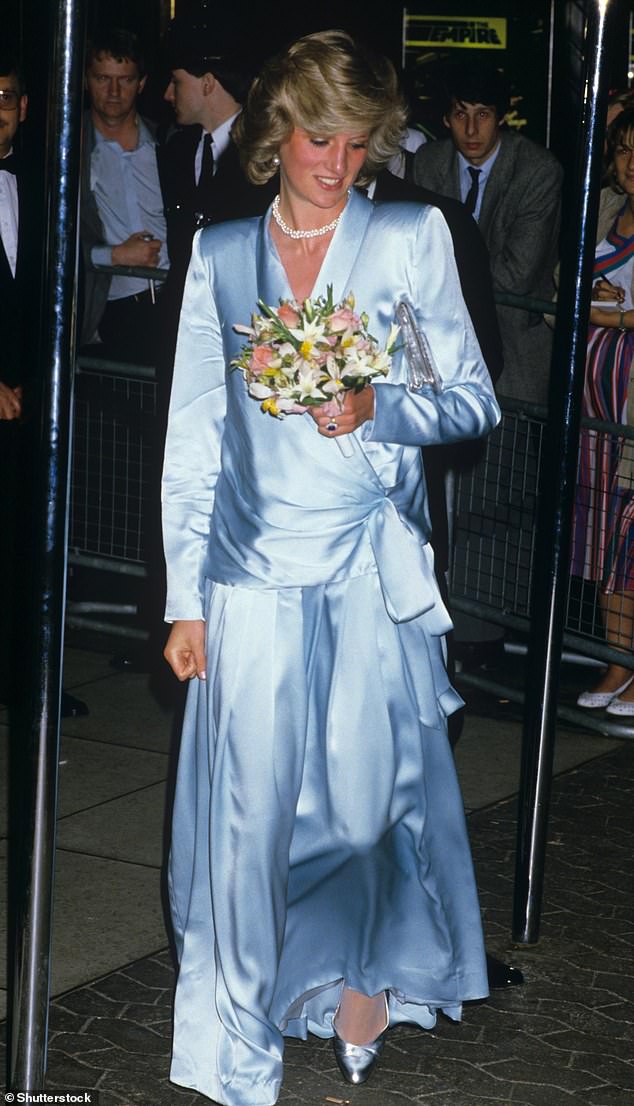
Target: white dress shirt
<point>9,214</point>
<point>220,139</point>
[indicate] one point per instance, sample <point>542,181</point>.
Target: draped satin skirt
<point>318,832</point>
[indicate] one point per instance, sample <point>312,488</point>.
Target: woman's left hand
<point>358,408</point>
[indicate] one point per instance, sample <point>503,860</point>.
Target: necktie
<point>8,164</point>
<point>472,195</point>
<point>207,167</point>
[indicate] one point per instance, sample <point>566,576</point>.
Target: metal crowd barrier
<point>494,530</point>
<point>114,482</point>
<point>115,477</point>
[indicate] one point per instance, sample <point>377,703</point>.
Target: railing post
<point>33,850</point>
<point>557,490</point>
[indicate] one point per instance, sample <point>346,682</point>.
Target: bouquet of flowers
<point>306,355</point>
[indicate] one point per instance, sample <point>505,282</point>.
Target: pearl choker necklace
<point>292,233</point>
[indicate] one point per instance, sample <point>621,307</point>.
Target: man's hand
<point>358,407</point>
<point>137,250</point>
<point>10,402</point>
<point>185,649</point>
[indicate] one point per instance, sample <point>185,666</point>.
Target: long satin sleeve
<point>193,443</point>
<point>466,406</point>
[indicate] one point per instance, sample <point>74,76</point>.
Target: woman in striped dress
<point>603,528</point>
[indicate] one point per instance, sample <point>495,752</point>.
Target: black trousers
<point>9,474</point>
<point>130,328</point>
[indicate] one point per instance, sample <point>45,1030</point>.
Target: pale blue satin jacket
<point>253,501</point>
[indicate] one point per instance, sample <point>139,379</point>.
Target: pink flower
<point>261,358</point>
<point>343,319</point>
<point>288,316</point>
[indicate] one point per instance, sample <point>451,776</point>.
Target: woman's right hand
<point>185,649</point>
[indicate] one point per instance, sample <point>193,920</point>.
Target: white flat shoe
<point>621,706</point>
<point>595,700</point>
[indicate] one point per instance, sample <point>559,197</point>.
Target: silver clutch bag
<point>422,367</point>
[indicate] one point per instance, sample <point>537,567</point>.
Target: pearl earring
<point>276,161</point>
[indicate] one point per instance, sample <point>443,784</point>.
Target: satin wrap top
<point>258,502</point>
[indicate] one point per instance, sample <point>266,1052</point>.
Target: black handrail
<point>558,486</point>
<point>34,849</point>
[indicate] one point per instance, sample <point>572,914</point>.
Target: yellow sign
<point>467,32</point>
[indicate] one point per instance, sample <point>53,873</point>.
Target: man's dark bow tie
<point>8,164</point>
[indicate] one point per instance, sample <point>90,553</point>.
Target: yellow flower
<point>305,350</point>
<point>271,406</point>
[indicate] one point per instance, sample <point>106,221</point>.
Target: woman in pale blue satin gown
<point>320,874</point>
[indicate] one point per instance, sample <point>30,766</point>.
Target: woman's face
<point>319,169</point>
<point>624,162</point>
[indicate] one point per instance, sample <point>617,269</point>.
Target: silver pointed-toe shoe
<point>356,1062</point>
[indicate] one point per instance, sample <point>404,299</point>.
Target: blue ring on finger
<point>331,425</point>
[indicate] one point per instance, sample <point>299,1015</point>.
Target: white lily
<point>310,332</point>
<point>260,391</point>
<point>307,385</point>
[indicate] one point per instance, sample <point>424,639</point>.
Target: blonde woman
<point>320,872</point>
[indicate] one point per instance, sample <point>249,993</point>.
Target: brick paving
<point>566,1038</point>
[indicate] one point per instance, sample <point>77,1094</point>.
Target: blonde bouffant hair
<point>324,83</point>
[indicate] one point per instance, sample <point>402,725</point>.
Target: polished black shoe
<point>72,707</point>
<point>502,975</point>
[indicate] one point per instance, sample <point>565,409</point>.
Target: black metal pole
<point>34,862</point>
<point>557,490</point>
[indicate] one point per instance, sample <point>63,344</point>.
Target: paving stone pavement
<point>566,1038</point>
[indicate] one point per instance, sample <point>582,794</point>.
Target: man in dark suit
<point>19,245</point>
<point>512,186</point>
<point>199,165</point>
<point>472,262</point>
<point>13,106</point>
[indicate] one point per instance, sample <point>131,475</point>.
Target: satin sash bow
<point>406,570</point>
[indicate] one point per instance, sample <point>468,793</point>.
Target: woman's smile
<point>318,171</point>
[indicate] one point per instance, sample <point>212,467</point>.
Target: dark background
<point>546,98</point>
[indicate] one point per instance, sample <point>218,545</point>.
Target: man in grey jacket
<point>512,187</point>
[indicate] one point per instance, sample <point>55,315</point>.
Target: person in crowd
<point>122,220</point>
<point>201,176</point>
<point>603,524</point>
<point>316,789</point>
<point>13,107</point>
<point>474,274</point>
<point>618,101</point>
<point>512,187</point>
<point>19,244</point>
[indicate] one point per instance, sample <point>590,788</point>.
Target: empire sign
<point>467,32</point>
